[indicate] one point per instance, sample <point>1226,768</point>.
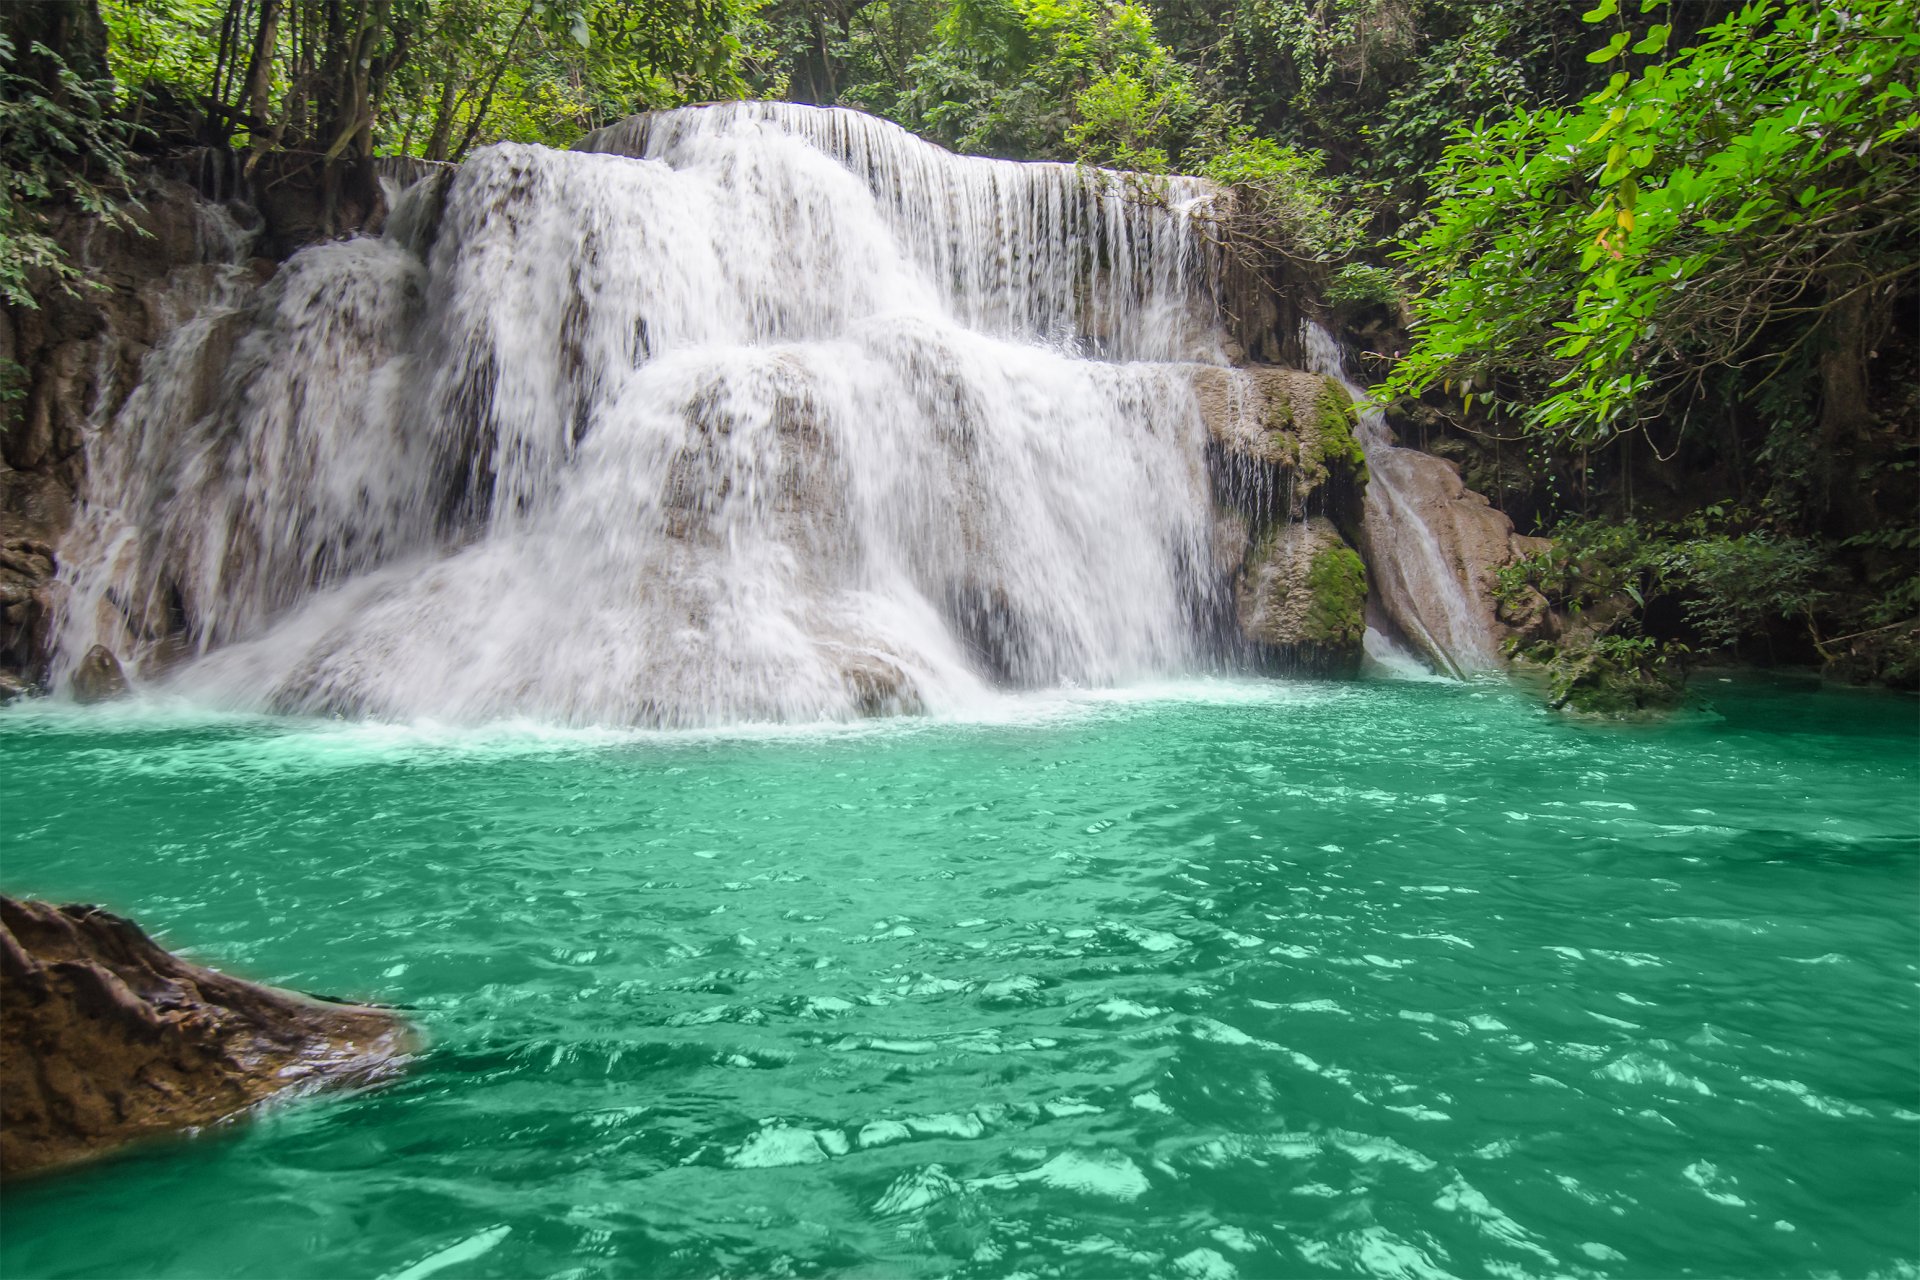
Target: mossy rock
<point>1281,442</point>
<point>1301,600</point>
<point>1338,583</point>
<point>1337,419</point>
<point>1587,684</point>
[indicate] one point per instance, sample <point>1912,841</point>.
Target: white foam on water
<point>465,1251</point>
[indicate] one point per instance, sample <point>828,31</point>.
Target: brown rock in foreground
<point>99,677</point>
<point>106,1038</point>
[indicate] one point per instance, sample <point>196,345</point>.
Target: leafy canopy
<point>1588,268</point>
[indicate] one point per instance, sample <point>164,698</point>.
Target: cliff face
<point>1288,477</point>
<point>74,360</point>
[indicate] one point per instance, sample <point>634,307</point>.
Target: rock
<point>1436,548</point>
<point>1529,616</point>
<point>878,686</point>
<point>1301,602</point>
<point>1280,442</point>
<point>1587,683</point>
<point>26,573</point>
<point>98,678</point>
<point>108,1038</point>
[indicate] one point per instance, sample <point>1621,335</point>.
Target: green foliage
<point>421,77</point>
<point>1338,581</point>
<point>1707,209</point>
<point>1731,587</point>
<point>1053,79</point>
<point>1617,677</point>
<point>1379,85</point>
<point>1735,585</point>
<point>1283,203</point>
<point>1358,285</point>
<point>161,42</point>
<point>61,144</point>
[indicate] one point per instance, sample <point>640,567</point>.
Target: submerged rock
<point>1302,601</point>
<point>1589,683</point>
<point>106,1038</point>
<point>99,678</point>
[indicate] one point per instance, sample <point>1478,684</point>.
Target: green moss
<point>1338,581</point>
<point>1336,417</point>
<point>1591,683</point>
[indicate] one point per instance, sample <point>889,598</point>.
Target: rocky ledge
<point>106,1038</point>
<point>1287,474</point>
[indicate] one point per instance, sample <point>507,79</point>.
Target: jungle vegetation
<point>1648,272</point>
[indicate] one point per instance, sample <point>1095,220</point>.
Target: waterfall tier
<point>750,412</point>
<point>738,413</point>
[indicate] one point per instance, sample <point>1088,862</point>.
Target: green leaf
<point>1612,49</point>
<point>1601,12</point>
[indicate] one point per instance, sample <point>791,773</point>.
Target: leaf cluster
<point>1588,268</point>
<point>62,145</point>
<point>1729,581</point>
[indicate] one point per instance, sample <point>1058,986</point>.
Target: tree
<point>1741,211</point>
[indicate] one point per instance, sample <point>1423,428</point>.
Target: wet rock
<point>98,678</point>
<point>1301,602</point>
<point>108,1038</point>
<point>1280,442</point>
<point>26,575</point>
<point>1437,540</point>
<point>984,618</point>
<point>76,358</point>
<point>879,686</point>
<point>1588,683</point>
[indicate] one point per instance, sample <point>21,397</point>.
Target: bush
<point>60,143</point>
<point>1728,586</point>
<point>1358,285</point>
<point>1284,205</point>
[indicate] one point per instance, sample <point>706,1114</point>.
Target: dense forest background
<point>1646,272</point>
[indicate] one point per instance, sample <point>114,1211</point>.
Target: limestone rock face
<point>1280,442</point>
<point>1287,473</point>
<point>105,1038</point>
<point>1471,542</point>
<point>1301,603</point>
<point>98,678</point>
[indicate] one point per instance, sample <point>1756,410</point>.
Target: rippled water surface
<point>1231,980</point>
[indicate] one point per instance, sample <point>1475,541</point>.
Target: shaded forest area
<point>1647,273</point>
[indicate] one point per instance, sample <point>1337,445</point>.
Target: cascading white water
<point>784,415</point>
<point>1418,575</point>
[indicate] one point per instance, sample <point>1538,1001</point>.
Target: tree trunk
<point>72,29</point>
<point>1845,410</point>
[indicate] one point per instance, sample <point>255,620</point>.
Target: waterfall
<point>747,412</point>
<point>1427,587</point>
